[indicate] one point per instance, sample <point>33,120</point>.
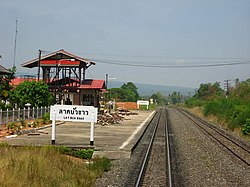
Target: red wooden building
<point>64,73</point>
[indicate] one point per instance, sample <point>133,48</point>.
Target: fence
<point>13,115</point>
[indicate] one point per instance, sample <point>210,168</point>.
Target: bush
<point>82,153</point>
<point>46,118</point>
<point>239,116</point>
<point>35,123</point>
<point>222,108</point>
<point>11,125</point>
<point>23,123</point>
<point>100,165</point>
<point>246,127</point>
<point>193,102</point>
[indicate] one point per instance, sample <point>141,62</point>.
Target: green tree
<point>129,92</point>
<point>242,91</point>
<point>116,93</point>
<point>175,97</point>
<point>209,91</point>
<point>5,86</point>
<point>35,93</point>
<point>159,98</point>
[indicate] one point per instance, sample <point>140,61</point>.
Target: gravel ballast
<point>197,159</point>
<point>201,161</point>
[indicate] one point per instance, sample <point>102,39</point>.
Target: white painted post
<point>13,115</point>
<point>7,118</point>
<point>33,112</point>
<point>24,113</point>
<point>28,112</point>
<point>53,133</point>
<point>37,112</point>
<point>18,114</point>
<point>92,129</point>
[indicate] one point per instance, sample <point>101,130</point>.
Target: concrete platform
<point>112,141</point>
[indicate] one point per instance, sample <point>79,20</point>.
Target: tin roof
<point>92,84</point>
<point>18,80</point>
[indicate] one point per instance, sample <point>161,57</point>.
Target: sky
<point>174,43</point>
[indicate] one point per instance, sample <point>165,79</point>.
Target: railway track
<point>235,147</point>
<point>155,167</point>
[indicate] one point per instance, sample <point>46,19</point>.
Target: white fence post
<point>18,114</point>
<point>13,115</point>
<point>33,112</point>
<point>28,112</point>
<point>37,112</point>
<point>7,116</point>
<point>24,113</point>
<point>41,111</point>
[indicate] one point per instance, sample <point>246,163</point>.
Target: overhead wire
<point>125,63</point>
<point>160,57</point>
<point>220,61</point>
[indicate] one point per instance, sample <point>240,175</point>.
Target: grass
<point>214,119</point>
<point>47,166</point>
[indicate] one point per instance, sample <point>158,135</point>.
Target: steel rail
<point>225,146</point>
<point>168,153</point>
<point>212,127</point>
<point>142,169</point>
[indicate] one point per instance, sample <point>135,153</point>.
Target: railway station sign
<point>74,113</point>
<point>142,102</point>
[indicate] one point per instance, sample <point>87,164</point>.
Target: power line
<point>173,66</point>
<point>227,61</point>
<point>166,57</point>
<point>168,62</point>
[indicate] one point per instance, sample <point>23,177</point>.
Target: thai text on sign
<point>74,113</point>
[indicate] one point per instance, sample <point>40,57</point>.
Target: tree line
<point>231,107</point>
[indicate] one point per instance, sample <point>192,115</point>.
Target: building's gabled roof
<point>4,71</point>
<point>92,84</point>
<point>58,55</point>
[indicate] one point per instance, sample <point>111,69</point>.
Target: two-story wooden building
<point>64,73</point>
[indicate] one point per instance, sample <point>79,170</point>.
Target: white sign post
<point>53,133</point>
<point>73,113</point>
<point>142,102</point>
<point>92,129</point>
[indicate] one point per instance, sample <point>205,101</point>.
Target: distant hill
<point>143,89</point>
<point>149,89</point>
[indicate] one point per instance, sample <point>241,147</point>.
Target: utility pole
<point>14,64</point>
<point>39,63</point>
<point>106,81</point>
<point>237,82</point>
<point>226,86</point>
